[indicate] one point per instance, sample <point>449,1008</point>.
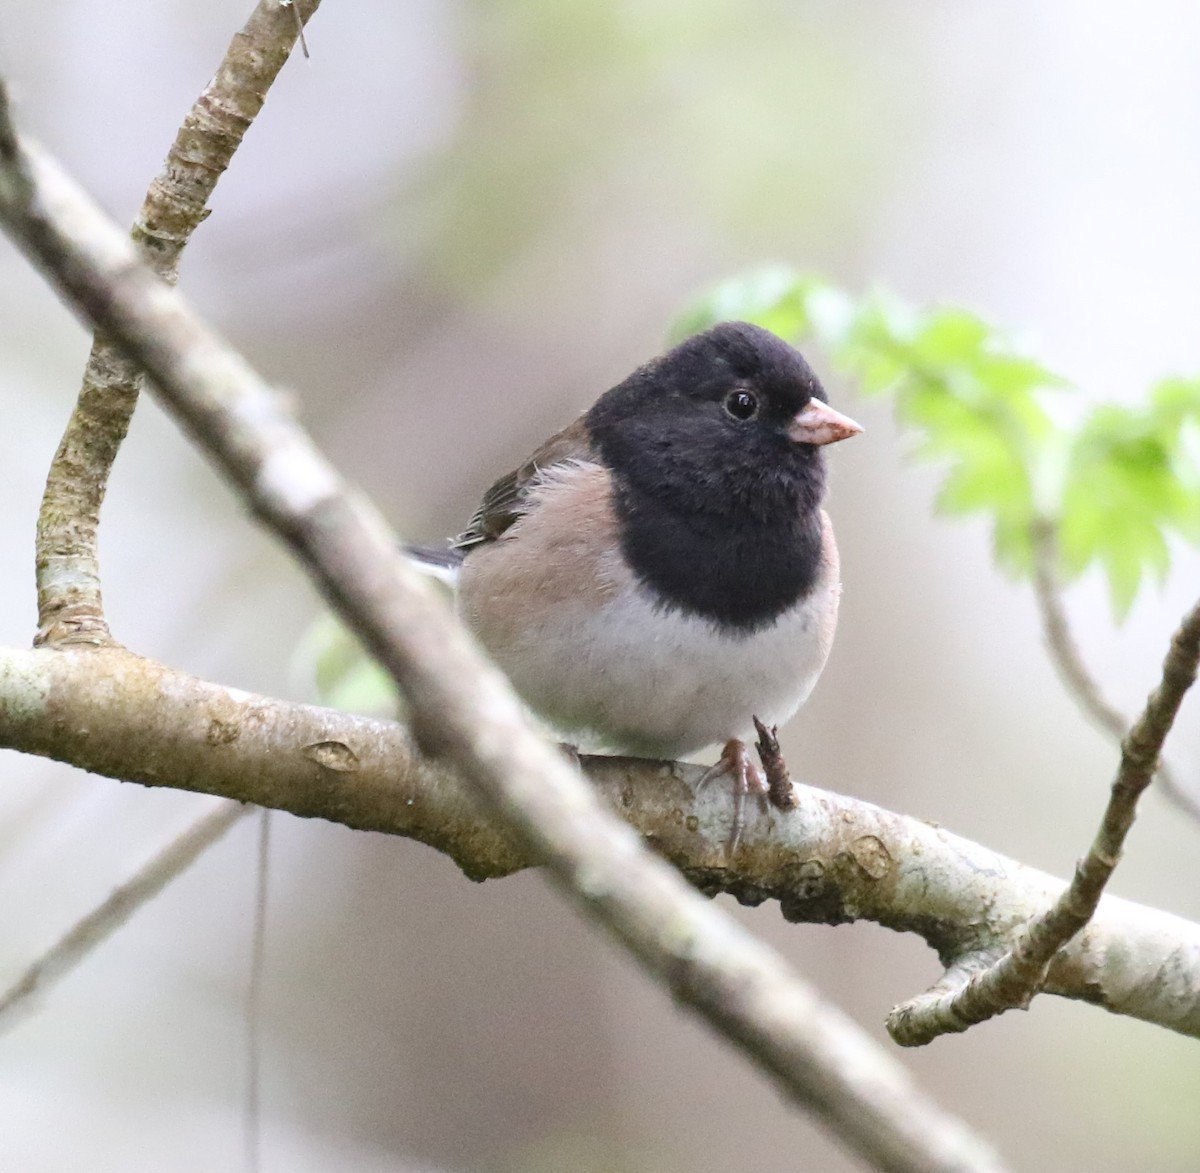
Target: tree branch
<point>96,927</point>
<point>831,860</point>
<point>463,710</point>
<point>70,604</point>
<point>1068,659</point>
<point>1012,980</point>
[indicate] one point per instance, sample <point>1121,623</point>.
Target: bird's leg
<point>779,782</point>
<point>571,753</point>
<point>735,763</point>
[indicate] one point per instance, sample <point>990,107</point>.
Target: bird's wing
<point>508,498</point>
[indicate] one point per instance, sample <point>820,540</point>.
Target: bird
<point>660,575</point>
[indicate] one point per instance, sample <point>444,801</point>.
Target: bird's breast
<point>599,654</point>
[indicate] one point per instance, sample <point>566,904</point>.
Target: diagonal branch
<point>70,604</point>
<point>96,927</point>
<point>1013,979</point>
<point>1068,659</point>
<point>464,712</point>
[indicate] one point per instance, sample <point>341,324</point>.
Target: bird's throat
<point>741,573</point>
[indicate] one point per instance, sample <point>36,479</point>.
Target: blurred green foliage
<point>330,660</point>
<point>1113,484</point>
<point>682,120</point>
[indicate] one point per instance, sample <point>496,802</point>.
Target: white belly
<point>633,678</point>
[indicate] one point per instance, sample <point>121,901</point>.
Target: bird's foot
<point>736,764</point>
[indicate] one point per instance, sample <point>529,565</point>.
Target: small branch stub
<point>780,790</point>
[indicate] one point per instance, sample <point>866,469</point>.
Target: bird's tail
<point>440,562</point>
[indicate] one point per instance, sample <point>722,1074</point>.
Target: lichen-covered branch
<point>1011,980</point>
<point>830,860</point>
<point>70,605</point>
<point>464,712</point>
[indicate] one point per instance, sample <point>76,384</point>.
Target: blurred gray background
<point>448,232</point>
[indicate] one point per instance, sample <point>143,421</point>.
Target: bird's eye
<point>741,405</point>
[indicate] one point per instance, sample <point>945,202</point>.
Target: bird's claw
<point>736,763</point>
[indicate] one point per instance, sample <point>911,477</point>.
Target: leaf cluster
<point>1018,443</point>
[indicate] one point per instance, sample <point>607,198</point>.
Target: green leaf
<point>773,297</point>
<point>344,676</point>
<point>1175,401</point>
<point>1127,489</point>
<point>950,338</point>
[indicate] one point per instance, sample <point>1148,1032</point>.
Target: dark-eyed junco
<point>661,572</point>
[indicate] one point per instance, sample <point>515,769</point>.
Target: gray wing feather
<point>508,498</point>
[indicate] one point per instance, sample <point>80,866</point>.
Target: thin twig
<point>254,997</point>
<point>463,710</point>
<point>99,924</point>
<point>1068,660</point>
<point>1013,979</point>
<point>299,25</point>
<point>70,602</point>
